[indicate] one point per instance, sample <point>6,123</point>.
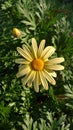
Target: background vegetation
<point>22,108</point>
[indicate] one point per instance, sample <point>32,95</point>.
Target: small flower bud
<point>16,32</point>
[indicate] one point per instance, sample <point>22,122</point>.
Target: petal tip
<point>63,68</point>
<point>33,39</point>
<point>18,49</point>
<point>62,59</point>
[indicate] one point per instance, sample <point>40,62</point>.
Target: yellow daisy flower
<point>36,67</point>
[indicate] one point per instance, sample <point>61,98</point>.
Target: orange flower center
<point>37,64</point>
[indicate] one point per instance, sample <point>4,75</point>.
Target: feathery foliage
<point>20,107</point>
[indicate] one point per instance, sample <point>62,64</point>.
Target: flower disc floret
<point>37,64</point>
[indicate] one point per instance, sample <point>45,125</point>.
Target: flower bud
<point>16,32</point>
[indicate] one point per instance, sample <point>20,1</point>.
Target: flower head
<point>16,32</point>
<point>36,65</point>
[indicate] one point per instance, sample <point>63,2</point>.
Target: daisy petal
<point>49,77</point>
<point>36,82</point>
<point>22,61</point>
<point>24,54</point>
<point>27,50</point>
<point>53,74</point>
<point>34,47</point>
<point>29,84</point>
<point>56,67</point>
<point>47,52</point>
<point>56,60</point>
<point>43,81</point>
<point>41,47</point>
<point>23,71</point>
<point>31,79</point>
<point>28,77</point>
<point>21,67</point>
